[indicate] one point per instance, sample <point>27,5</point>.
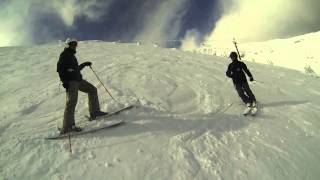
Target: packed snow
<point>187,123</point>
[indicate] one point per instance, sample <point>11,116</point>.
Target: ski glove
<point>84,65</point>
<point>65,85</point>
<point>87,63</point>
<point>251,79</point>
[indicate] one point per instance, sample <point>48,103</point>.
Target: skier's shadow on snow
<point>147,121</point>
<point>283,103</point>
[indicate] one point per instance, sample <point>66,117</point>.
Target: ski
<point>254,111</point>
<point>92,126</point>
<point>250,111</point>
<point>88,128</point>
<point>247,111</point>
<point>110,114</point>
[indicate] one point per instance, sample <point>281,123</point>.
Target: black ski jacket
<point>68,67</point>
<point>236,71</point>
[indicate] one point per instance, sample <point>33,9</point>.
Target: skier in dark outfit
<point>71,78</point>
<point>236,71</point>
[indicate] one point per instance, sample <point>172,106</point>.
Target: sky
<point>260,20</point>
<point>162,21</point>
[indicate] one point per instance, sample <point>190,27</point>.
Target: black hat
<point>233,54</point>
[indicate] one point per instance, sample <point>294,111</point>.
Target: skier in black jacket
<point>236,71</point>
<point>71,78</point>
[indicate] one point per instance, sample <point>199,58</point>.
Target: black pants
<point>245,92</point>
<point>72,99</point>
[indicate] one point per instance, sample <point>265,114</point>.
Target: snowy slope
<point>187,125</point>
<point>300,53</point>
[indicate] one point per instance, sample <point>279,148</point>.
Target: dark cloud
<point>122,20</point>
<point>201,16</point>
<point>149,20</point>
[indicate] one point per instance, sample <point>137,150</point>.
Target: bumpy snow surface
<point>187,124</point>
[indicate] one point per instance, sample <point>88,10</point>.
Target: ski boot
<point>97,115</point>
<point>247,110</point>
<point>67,130</point>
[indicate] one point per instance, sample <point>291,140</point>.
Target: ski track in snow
<point>187,126</point>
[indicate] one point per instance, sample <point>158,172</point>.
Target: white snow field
<point>187,126</point>
<point>300,53</point>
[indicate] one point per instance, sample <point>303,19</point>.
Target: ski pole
<point>235,44</point>
<point>70,143</point>
<point>103,84</point>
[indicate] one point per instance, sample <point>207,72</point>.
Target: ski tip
<point>132,106</point>
<point>128,106</point>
